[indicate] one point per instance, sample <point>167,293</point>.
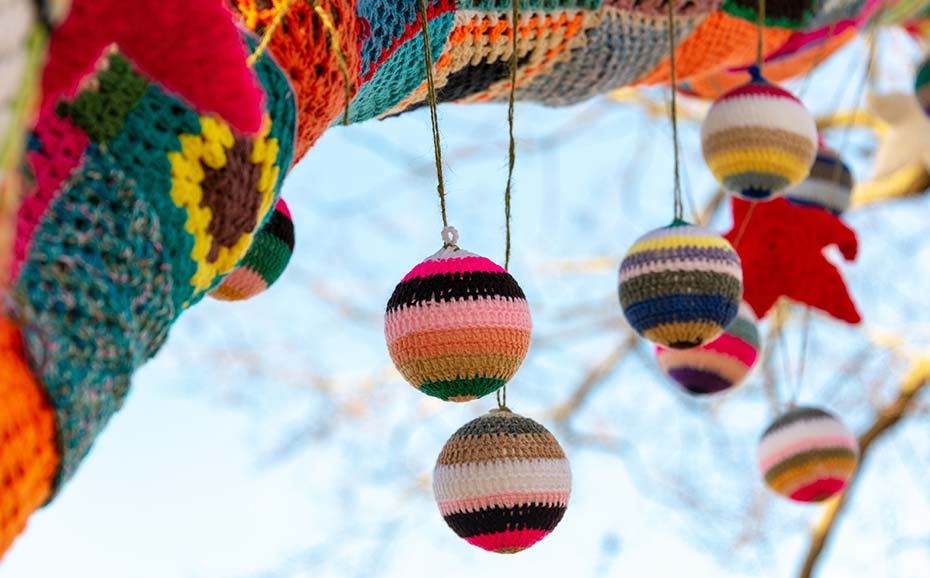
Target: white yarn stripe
<point>449,253</point>
<point>765,112</point>
<point>476,479</point>
<point>805,446</point>
<point>510,500</point>
<point>681,265</point>
<point>803,431</point>
<point>689,231</point>
<point>16,20</point>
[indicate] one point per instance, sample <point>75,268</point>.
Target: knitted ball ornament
<point>265,262</point>
<point>922,85</point>
<point>502,482</point>
<point>680,286</point>
<point>808,455</point>
<point>829,185</point>
<point>458,325</point>
<point>719,365</point>
<point>759,140</point>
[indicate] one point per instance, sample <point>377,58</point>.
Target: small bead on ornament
<point>759,140</point>
<point>680,286</point>
<point>719,365</point>
<point>502,482</point>
<point>808,455</point>
<point>829,186</point>
<point>458,325</point>
<point>265,260</point>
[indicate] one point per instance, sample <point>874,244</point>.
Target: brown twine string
<point>502,392</point>
<point>679,205</point>
<point>760,26</point>
<point>434,117</point>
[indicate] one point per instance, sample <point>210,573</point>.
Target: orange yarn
<point>28,450</point>
<point>721,41</point>
<point>715,84</point>
<point>303,51</point>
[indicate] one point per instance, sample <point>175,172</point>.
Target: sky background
<point>272,439</point>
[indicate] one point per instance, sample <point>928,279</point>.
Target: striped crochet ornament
<point>502,482</point>
<point>922,85</point>
<point>759,140</point>
<point>829,186</point>
<point>808,455</point>
<point>265,261</point>
<point>719,365</point>
<point>680,286</point>
<point>458,325</point>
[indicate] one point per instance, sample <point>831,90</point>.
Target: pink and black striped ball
<point>265,261</point>
<point>457,326</point>
<point>719,365</point>
<point>502,482</point>
<point>808,455</point>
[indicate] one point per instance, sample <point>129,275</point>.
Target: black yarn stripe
<point>496,520</point>
<point>281,227</point>
<point>797,415</point>
<point>453,286</point>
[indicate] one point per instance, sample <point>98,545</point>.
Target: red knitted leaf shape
<point>191,47</point>
<point>781,246</point>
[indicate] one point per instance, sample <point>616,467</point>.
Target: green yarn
<point>102,113</point>
<point>473,387</point>
<point>268,256</point>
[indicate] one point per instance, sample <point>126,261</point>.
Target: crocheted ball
<point>457,326</point>
<point>680,286</point>
<point>922,85</point>
<point>265,261</point>
<point>759,140</point>
<point>808,455</point>
<point>719,365</point>
<point>502,482</point>
<point>829,185</point>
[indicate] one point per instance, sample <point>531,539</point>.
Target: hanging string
<point>679,205</point>
<point>333,35</point>
<point>515,17</point>
<point>802,363</point>
<point>269,33</point>
<point>434,117</point>
<point>760,26</point>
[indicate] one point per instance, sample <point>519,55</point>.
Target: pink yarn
<point>454,265</point>
<point>511,539</point>
<point>62,148</point>
<point>490,312</point>
<point>191,47</point>
<point>805,446</point>
<point>823,487</point>
<point>734,347</point>
<point>282,208</point>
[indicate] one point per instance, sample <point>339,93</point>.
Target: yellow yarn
<point>770,160</point>
<point>187,174</point>
<point>676,242</point>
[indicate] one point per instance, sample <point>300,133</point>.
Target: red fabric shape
<point>781,246</point>
<point>191,47</point>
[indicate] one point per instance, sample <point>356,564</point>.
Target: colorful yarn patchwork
<point>28,458</point>
<point>457,326</point>
<point>719,365</point>
<point>302,47</point>
<point>393,65</point>
<point>680,286</point>
<point>265,262</point>
<point>502,482</point>
<point>922,85</point>
<point>190,47</point>
<point>829,185</point>
<point>808,455</point>
<point>759,140</point>
<point>176,197</point>
<point>625,41</point>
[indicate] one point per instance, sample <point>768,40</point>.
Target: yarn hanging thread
<point>720,365</point>
<point>829,185</point>
<point>458,325</point>
<point>758,140</point>
<point>502,482</point>
<point>808,455</point>
<point>265,261</point>
<point>680,286</point>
